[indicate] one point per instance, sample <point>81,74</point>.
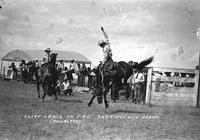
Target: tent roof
<point>62,55</point>
<point>18,55</point>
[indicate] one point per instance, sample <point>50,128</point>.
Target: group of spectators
<point>12,71</point>
<point>138,81</point>
<point>80,69</point>
<point>23,72</point>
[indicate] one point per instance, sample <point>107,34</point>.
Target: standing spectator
<point>9,73</point>
<point>36,69</point>
<point>60,69</point>
<point>93,75</point>
<point>138,85</point>
<point>73,66</point>
<point>37,64</point>
<point>78,74</point>
<point>24,72</point>
<point>130,81</point>
<point>83,71</point>
<point>144,87</point>
<point>13,70</point>
<point>69,75</point>
<point>89,77</point>
<point>30,67</point>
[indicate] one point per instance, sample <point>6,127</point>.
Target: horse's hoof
<point>132,101</point>
<point>89,105</point>
<point>107,105</point>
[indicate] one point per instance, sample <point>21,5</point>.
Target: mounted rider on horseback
<point>107,64</point>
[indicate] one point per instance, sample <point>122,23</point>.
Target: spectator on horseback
<point>48,51</point>
<point>105,45</point>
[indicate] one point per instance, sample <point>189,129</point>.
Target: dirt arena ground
<point>24,117</point>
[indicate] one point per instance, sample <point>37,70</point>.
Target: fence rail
<point>191,71</point>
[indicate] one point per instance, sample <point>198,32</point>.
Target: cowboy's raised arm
<point>105,34</point>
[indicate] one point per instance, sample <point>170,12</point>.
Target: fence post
<point>196,88</point>
<point>4,71</point>
<point>1,74</point>
<point>148,90</point>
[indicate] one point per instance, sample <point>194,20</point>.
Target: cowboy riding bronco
<point>107,64</point>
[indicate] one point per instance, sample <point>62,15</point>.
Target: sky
<point>137,29</point>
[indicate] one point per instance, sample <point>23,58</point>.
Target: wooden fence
<point>172,90</point>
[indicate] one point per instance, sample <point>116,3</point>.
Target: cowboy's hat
<point>102,43</point>
<point>48,50</point>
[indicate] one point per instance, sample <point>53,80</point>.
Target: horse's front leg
<point>91,100</point>
<point>54,91</point>
<point>43,96</point>
<point>56,97</point>
<point>45,90</point>
<point>114,92</point>
<point>105,98</point>
<point>38,88</point>
<point>127,90</point>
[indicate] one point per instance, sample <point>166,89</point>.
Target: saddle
<point>110,68</point>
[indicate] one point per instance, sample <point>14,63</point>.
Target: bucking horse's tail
<point>143,63</point>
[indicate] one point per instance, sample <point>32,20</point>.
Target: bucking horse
<point>113,79</point>
<point>47,75</point>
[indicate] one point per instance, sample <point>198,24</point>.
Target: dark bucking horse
<point>113,79</point>
<point>107,79</point>
<point>47,75</point>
